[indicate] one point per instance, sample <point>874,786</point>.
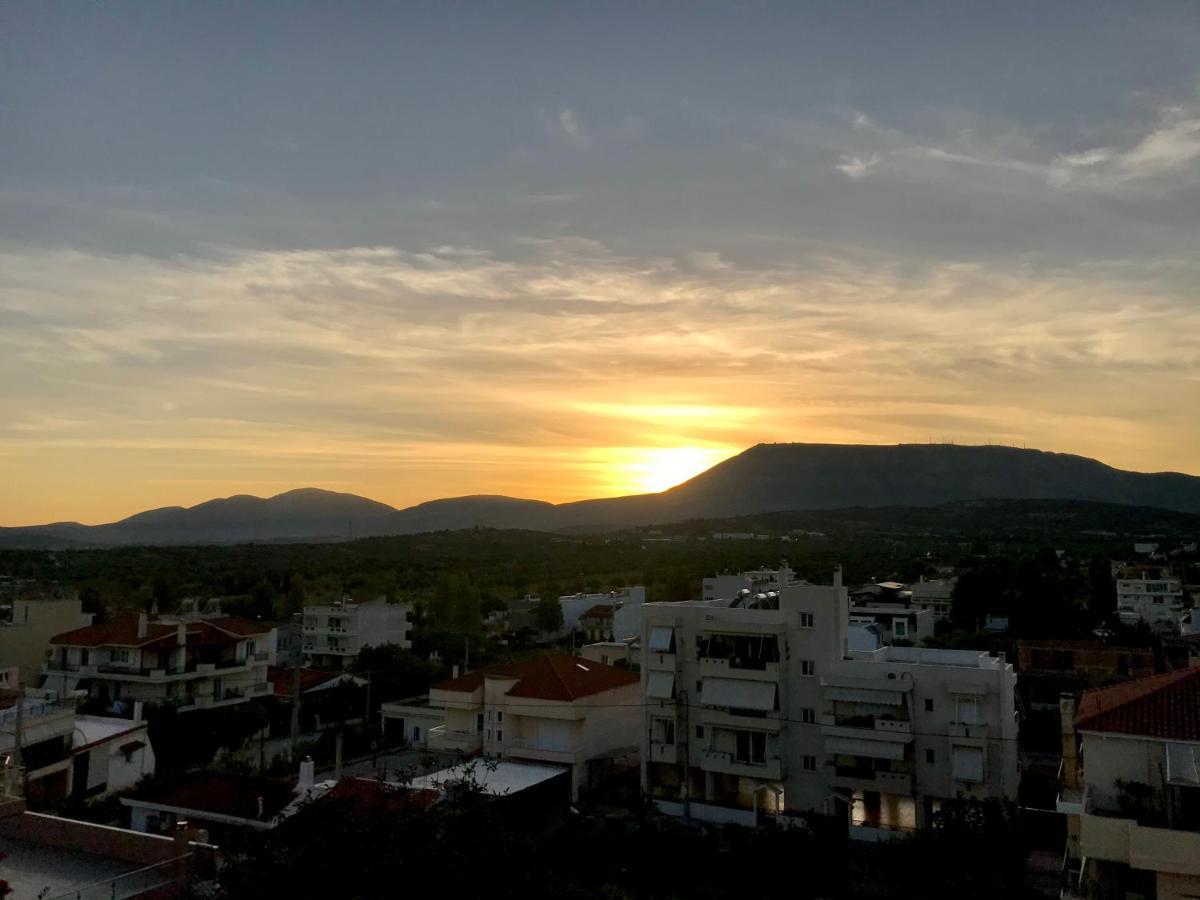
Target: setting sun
<point>654,469</point>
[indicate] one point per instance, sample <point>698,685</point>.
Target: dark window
<point>699,732</point>
<point>928,705</point>
<point>930,756</point>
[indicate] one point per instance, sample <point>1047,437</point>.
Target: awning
<point>863,695</point>
<point>661,639</point>
<point>660,686</point>
<point>738,694</point>
<point>1183,764</point>
<point>861,747</point>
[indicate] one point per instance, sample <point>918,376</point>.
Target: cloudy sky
<point>569,250</point>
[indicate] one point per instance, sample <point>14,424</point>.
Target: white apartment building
<point>895,623</point>
<point>1131,788</point>
<point>1155,601</point>
<point>335,633</point>
<point>756,707</point>
<point>191,663</point>
<point>559,710</point>
<point>26,627</point>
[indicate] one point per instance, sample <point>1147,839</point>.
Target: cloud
<point>856,167</point>
<point>572,127</point>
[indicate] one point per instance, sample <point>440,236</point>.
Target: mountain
<point>766,478</point>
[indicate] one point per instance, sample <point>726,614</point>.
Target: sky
<point>573,250</point>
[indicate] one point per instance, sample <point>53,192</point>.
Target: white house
<point>109,755</point>
<point>1131,788</point>
<point>1153,600</point>
<point>334,633</point>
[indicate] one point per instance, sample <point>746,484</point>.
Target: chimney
<point>137,710</point>
<point>181,633</point>
<point>454,671</point>
<point>1070,753</point>
<point>143,622</point>
<point>837,575</point>
<point>308,775</point>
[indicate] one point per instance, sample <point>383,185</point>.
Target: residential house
<point>1152,597</point>
<point>559,710</point>
<point>935,595</point>
<point>1051,668</point>
<point>109,755</point>
<point>412,719</point>
<point>756,707</point>
<point>190,663</point>
<point>26,627</point>
<point>597,623</point>
<point>895,623</point>
<point>1131,788</point>
<point>624,654</point>
<point>625,605</point>
<point>335,633</point>
<point>755,581</point>
<point>36,734</point>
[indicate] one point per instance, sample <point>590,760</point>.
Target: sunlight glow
<point>654,469</point>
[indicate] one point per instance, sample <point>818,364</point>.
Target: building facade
<point>335,633</point>
<point>190,663</point>
<point>757,707</point>
<point>1149,599</point>
<point>27,627</point>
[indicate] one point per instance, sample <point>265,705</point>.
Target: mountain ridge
<point>764,478</point>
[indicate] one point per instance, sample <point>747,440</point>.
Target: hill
<point>766,478</point>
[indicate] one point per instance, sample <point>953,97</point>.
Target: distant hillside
<point>764,479</point>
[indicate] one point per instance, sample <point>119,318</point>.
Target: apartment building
<point>190,663</point>
<point>560,710</point>
<point>755,581</point>
<point>1051,668</point>
<point>26,627</point>
<point>755,707</point>
<point>335,633</point>
<point>894,623</point>
<point>1131,788</point>
<point>624,604</point>
<point>1151,598</point>
<point>42,763</point>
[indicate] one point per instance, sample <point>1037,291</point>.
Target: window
<point>489,734</point>
<point>806,620</point>
<point>751,747</point>
<point>900,628</point>
<point>968,763</point>
<point>478,723</point>
<point>699,686</point>
<point>928,704</point>
<point>119,655</point>
<point>808,763</point>
<point>808,715</point>
<point>699,732</point>
<point>500,736</point>
<point>663,730</point>
<point>967,711</point>
<point>416,733</point>
<point>499,715</point>
<point>930,756</point>
<point>808,668</point>
<point>662,640</point>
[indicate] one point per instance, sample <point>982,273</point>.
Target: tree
<point>1102,595</point>
<point>548,614</point>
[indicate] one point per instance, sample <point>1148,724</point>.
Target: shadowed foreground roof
<point>1161,706</point>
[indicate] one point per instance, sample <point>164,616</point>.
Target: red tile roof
<point>558,677</point>
<point>598,612</point>
<point>226,795</point>
<point>1162,706</point>
<point>124,633</point>
<point>366,795</point>
<point>568,678</point>
<point>283,680</point>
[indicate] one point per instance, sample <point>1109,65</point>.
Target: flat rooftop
<point>495,780</point>
<point>32,869</point>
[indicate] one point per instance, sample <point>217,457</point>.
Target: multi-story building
<point>717,587</point>
<point>1131,788</point>
<point>190,663</point>
<point>560,710</point>
<point>756,707</point>
<point>335,633</point>
<point>1051,668</point>
<point>625,605</point>
<point>894,622</point>
<point>45,726</point>
<point>26,627</point>
<point>1150,599</point>
<point>935,595</point>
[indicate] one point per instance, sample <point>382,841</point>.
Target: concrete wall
<point>1108,758</point>
<point>86,837</point>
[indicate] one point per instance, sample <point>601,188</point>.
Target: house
<point>190,663</point>
<point>36,734</point>
<point>895,623</point>
<point>756,708</point>
<point>531,795</point>
<point>1131,788</point>
<point>597,623</point>
<point>26,627</point>
<point>625,605</point>
<point>624,654</point>
<point>412,719</point>
<point>335,633</point>
<point>755,581</point>
<point>109,755</point>
<point>935,595</point>
<point>1151,597</point>
<point>561,710</point>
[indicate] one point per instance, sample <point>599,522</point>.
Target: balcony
<point>974,731</point>
<point>770,766</point>
<point>531,749</point>
<point>733,668</point>
<point>1139,846</point>
<point>865,778</point>
<point>666,753</point>
<point>868,723</point>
